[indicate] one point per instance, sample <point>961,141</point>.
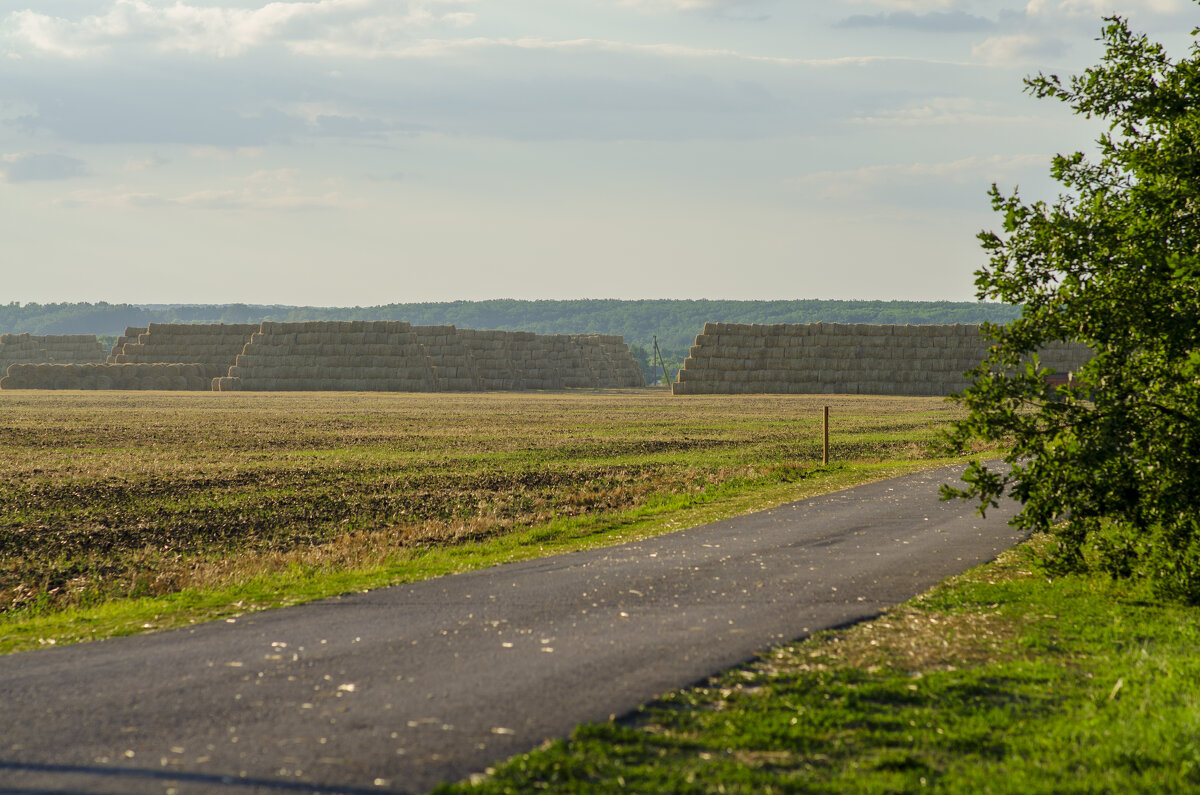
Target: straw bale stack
<point>211,344</point>
<point>19,349</point>
<point>516,360</point>
<point>607,362</point>
<point>453,365</point>
<point>532,361</point>
<point>102,375</point>
<point>352,356</point>
<point>131,335</point>
<point>823,358</point>
<point>71,348</point>
<point>566,355</point>
<point>492,352</point>
<point>60,348</point>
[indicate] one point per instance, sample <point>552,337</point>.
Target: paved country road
<point>399,689</point>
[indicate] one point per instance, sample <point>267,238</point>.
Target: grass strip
<point>29,629</point>
<point>997,681</point>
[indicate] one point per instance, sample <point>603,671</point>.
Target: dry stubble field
<point>109,496</point>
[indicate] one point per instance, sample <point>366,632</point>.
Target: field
<point>121,512</point>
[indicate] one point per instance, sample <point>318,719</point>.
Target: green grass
<point>123,512</point>
<point>998,681</point>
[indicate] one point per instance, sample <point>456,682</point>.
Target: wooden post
<point>825,447</point>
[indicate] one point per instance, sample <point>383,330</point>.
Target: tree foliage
<point>1113,262</point>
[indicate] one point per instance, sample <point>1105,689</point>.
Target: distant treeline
<point>675,323</point>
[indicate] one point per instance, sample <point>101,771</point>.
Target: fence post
<point>825,446</point>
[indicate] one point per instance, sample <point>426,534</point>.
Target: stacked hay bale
<point>624,367</point>
<point>78,361</point>
<point>71,348</point>
<point>131,335</point>
<point>732,358</point>
<point>19,349</point>
<point>209,344</point>
<point>453,365</point>
<point>609,361</point>
<point>514,360</point>
<point>492,354</point>
<point>101,375</point>
<point>567,356</point>
<point>532,364</point>
<point>355,356</point>
<point>62,348</point>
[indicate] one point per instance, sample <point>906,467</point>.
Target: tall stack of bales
<point>131,335</point>
<point>453,366</point>
<point>19,349</point>
<point>609,361</point>
<point>513,360</point>
<point>61,348</point>
<point>623,366</point>
<point>211,344</point>
<point>71,348</point>
<point>22,350</point>
<point>357,356</point>
<point>531,361</point>
<point>566,356</point>
<point>492,354</point>
<point>733,358</point>
<point>101,375</point>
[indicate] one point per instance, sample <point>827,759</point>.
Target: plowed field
<point>110,495</point>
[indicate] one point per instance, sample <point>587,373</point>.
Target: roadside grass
<point>123,513</point>
<point>997,681</point>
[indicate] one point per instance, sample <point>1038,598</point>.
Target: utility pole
<point>658,359</point>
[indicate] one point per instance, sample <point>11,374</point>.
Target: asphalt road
<point>399,689</point>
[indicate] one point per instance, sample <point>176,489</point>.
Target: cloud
<point>268,190</point>
<point>150,102</point>
<point>941,111</point>
<point>225,153</point>
<point>145,163</point>
<point>395,176</point>
<point>1095,9</point>
<point>36,166</point>
<point>667,5</point>
<point>1018,48</point>
<point>686,5</point>
<point>930,184</point>
<point>911,5</point>
<point>225,32</point>
<point>510,88</point>
<point>932,22</point>
<point>433,48</point>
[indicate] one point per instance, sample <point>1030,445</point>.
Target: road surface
<point>399,689</point>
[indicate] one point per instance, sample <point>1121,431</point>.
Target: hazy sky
<point>342,152</point>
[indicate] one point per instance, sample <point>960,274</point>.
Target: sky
<point>363,152</point>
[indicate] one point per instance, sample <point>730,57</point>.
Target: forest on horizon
<point>675,323</point>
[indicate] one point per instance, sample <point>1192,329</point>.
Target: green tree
<point>1113,470</point>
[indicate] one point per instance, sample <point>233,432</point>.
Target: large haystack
<point>130,336</point>
<point>101,375</point>
<point>210,344</point>
<point>453,365</point>
<point>352,356</point>
<point>815,358</point>
<point>61,348</point>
